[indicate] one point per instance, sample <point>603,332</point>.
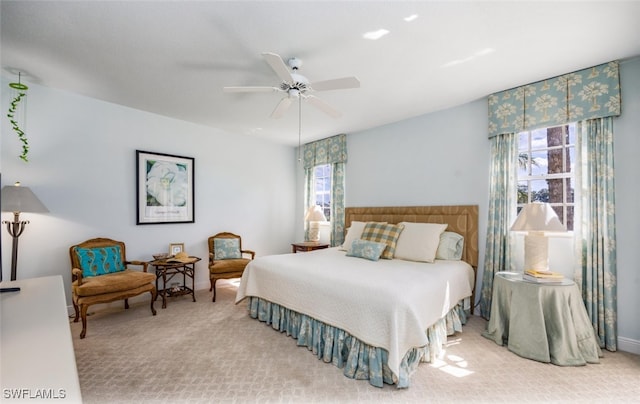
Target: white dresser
<point>37,361</point>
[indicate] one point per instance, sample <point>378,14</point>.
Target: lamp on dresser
<point>537,220</point>
<point>314,216</point>
<point>16,199</point>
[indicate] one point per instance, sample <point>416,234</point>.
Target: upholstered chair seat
<point>126,280</point>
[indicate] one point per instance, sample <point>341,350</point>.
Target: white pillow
<point>353,233</point>
<point>419,241</point>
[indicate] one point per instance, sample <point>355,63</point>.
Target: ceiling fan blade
<point>336,84</point>
<point>278,66</point>
<point>323,106</point>
<point>249,89</point>
<point>282,107</point>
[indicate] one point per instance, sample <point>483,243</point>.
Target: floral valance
<point>585,94</point>
<point>325,151</point>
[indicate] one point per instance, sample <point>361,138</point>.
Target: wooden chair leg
<point>77,310</point>
<point>213,286</point>
<point>83,310</point>
<point>154,294</point>
<point>126,303</point>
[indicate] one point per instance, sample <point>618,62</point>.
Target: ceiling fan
<point>295,85</point>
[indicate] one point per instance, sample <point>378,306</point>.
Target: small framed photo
<point>164,188</point>
<point>175,248</point>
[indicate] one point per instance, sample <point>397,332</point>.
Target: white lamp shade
<point>16,198</point>
<point>539,217</point>
<point>536,219</point>
<point>315,214</point>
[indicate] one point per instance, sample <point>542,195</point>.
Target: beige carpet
<point>206,352</point>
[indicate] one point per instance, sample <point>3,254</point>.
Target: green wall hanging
<point>21,93</point>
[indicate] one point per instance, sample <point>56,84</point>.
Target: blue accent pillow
<point>226,248</point>
<point>100,260</point>
<point>450,247</point>
<point>370,250</point>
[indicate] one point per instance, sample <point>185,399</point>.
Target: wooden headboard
<point>462,219</point>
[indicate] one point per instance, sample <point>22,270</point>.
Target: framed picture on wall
<point>175,248</point>
<point>164,188</point>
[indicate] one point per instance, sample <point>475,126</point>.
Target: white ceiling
<point>174,57</point>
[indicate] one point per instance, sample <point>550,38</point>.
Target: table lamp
<point>537,220</point>
<point>314,216</point>
<point>16,199</point>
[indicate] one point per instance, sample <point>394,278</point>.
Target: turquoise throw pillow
<point>100,261</point>
<point>226,248</point>
<point>370,250</point>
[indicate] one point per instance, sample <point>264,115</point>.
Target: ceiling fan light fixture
<point>294,63</point>
<point>294,93</point>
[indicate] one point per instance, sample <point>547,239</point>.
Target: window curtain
<point>594,234</point>
<point>502,212</point>
<point>332,150</point>
<point>587,95</point>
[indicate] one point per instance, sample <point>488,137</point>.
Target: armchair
<point>226,258</point>
<point>100,274</point>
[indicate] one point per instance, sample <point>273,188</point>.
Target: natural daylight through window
<point>322,188</point>
<point>546,159</point>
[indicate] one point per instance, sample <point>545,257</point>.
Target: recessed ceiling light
<point>411,17</point>
<point>373,35</point>
<point>485,51</point>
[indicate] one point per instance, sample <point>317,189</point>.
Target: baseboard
<point>629,345</point>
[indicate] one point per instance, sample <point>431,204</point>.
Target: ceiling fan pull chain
<point>299,128</point>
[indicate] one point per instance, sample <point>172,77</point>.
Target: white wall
<point>82,167</point>
<point>435,159</point>
<point>626,134</point>
<point>443,158</point>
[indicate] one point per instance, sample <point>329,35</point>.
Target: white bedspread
<point>385,303</point>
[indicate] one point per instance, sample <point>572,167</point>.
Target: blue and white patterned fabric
<point>450,247</point>
<point>357,359</point>
<point>585,94</point>
<point>226,248</point>
<point>502,213</point>
<point>595,228</point>
<point>370,250</point>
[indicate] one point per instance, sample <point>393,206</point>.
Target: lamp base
<point>314,231</point>
<point>536,251</point>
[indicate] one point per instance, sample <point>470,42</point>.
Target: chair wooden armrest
<point>77,274</point>
<point>144,264</point>
<point>252,253</point>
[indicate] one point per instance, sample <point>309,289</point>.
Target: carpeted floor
<point>206,352</point>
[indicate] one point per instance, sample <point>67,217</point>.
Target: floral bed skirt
<point>357,359</point>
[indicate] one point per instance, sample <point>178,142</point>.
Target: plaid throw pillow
<point>383,233</point>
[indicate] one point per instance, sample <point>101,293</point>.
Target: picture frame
<point>165,188</point>
<point>175,248</point>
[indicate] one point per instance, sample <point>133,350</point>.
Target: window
<point>545,169</point>
<point>322,188</point>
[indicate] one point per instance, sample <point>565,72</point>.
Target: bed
<point>376,319</point>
